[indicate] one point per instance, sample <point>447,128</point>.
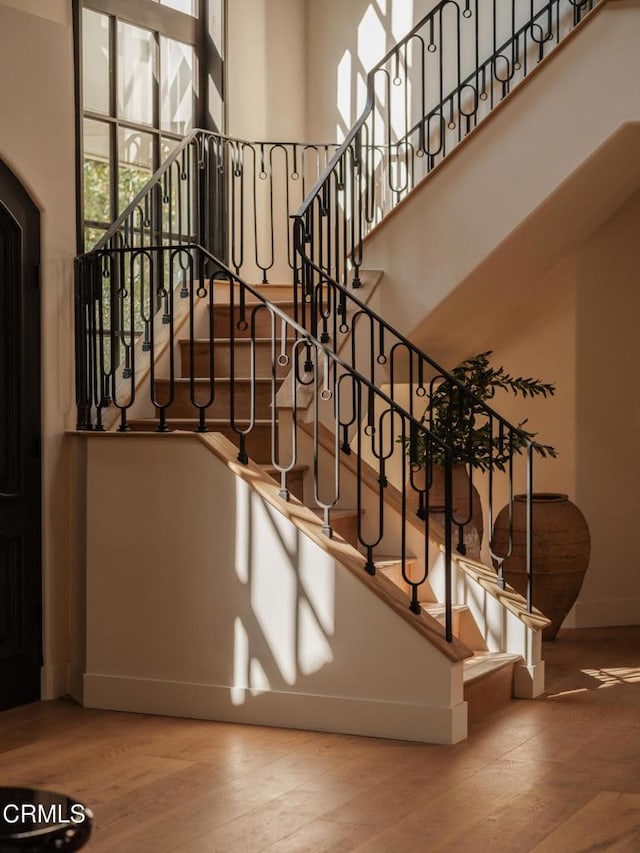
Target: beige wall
<point>548,191</point>
<point>577,326</point>
<point>57,11</point>
<point>580,329</point>
<point>37,142</point>
<point>345,40</point>
<point>538,338</point>
<point>608,417</point>
<point>266,69</point>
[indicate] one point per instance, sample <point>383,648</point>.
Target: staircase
<point>237,363</point>
<point>305,381</point>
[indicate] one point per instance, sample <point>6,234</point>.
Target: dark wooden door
<point>20,467</point>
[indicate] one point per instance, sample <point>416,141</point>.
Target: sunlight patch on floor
<point>616,675</point>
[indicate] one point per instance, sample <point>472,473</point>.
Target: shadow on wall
<point>286,618</point>
<point>381,24</point>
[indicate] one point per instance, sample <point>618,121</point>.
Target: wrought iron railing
<point>423,98</point>
<point>231,196</point>
<point>217,212</point>
<point>337,395</point>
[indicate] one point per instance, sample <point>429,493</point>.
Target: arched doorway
<point>20,465</point>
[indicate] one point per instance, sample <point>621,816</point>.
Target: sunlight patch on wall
<point>372,39</point>
<point>318,582</point>
<point>273,585</point>
<point>243,542</point>
<point>248,674</point>
<point>361,91</point>
<point>258,681</point>
<point>401,18</point>
<point>344,94</point>
<point>240,662</point>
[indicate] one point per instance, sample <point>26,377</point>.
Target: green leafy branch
<point>455,417</point>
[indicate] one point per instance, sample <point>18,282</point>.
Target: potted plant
<point>456,417</point>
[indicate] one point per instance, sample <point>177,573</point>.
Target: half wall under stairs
<point>210,595</point>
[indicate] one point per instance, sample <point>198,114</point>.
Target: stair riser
<point>183,407</point>
<point>258,441</point>
<point>412,569</point>
<point>347,527</point>
<point>455,622</point>
<point>489,693</point>
<point>261,323</point>
<point>244,360</point>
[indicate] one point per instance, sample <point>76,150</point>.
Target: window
<point>144,66</point>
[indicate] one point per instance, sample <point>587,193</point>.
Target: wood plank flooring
<point>557,775</point>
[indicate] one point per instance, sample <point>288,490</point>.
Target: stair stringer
<point>569,174</point>
<point>245,612</point>
<point>501,615</point>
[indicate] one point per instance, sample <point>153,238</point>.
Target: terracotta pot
<point>561,549</point>
<point>460,496</point>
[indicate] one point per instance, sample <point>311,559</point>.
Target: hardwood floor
<point>557,775</point>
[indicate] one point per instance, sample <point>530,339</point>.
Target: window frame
<point>161,21</point>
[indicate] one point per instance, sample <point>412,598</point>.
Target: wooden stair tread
<point>387,561</point>
<point>272,292</point>
<point>185,380</point>
<point>193,423</point>
<point>337,513</point>
<point>437,609</point>
<point>216,340</point>
<point>483,664</point>
<point>252,303</point>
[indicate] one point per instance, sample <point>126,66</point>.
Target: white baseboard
<point>528,681</point>
<point>344,715</point>
<point>603,614</point>
<point>53,680</point>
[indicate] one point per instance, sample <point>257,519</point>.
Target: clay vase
<point>460,499</point>
<point>561,549</point>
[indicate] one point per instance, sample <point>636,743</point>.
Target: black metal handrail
<point>364,181</point>
<point>340,396</point>
<point>230,195</point>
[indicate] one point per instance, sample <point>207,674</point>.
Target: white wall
<point>37,142</point>
<point>346,39</point>
<point>210,602</point>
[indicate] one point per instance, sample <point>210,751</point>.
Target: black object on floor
<point>32,821</point>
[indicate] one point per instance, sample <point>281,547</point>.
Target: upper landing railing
<point>423,98</point>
